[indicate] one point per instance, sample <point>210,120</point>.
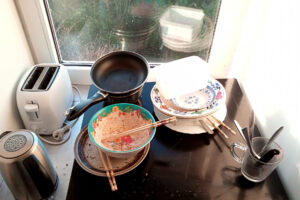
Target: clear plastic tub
<point>181,23</point>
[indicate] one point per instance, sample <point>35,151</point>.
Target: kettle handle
<point>4,134</point>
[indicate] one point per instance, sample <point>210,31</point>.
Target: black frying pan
<point>119,76</point>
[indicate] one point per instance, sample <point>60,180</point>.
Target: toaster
<point>43,94</point>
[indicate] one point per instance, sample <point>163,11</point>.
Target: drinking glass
<point>252,168</point>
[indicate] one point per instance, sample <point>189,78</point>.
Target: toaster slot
<point>48,78</point>
<point>32,78</point>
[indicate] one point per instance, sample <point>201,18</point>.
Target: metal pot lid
<point>15,144</point>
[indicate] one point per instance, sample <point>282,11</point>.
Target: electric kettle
<point>25,166</point>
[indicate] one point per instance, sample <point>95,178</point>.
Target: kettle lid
<point>15,144</point>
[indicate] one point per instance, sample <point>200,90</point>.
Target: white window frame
<point>35,21</point>
<point>40,38</point>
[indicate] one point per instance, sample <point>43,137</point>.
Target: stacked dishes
<point>191,107</point>
<point>88,158</point>
<point>125,152</point>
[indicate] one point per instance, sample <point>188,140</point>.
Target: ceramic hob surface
<point>181,166</point>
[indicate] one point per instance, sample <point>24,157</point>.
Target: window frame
<point>37,29</point>
<point>44,49</point>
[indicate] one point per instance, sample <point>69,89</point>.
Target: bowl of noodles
<point>107,125</point>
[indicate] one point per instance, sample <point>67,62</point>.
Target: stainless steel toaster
<point>25,166</point>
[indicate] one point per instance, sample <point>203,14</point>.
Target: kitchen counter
<point>62,156</point>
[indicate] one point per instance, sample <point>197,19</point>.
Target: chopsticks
<point>152,125</point>
<point>205,126</point>
<point>109,171</point>
<point>212,120</point>
<point>216,127</point>
<point>225,126</point>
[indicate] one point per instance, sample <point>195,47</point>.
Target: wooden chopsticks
<point>109,171</point>
<point>107,163</point>
<point>212,120</point>
<point>216,127</point>
<point>225,126</point>
<point>205,126</point>
<point>152,125</point>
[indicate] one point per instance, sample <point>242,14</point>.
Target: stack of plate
<point>191,107</point>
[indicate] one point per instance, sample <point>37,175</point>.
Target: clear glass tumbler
<point>252,168</point>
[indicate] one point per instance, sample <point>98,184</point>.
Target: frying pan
<point>119,76</point>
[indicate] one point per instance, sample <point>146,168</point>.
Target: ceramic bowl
<point>123,108</point>
<point>202,99</point>
<point>159,102</point>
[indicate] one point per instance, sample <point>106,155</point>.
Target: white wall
<point>268,66</point>
<point>227,35</point>
<point>15,57</point>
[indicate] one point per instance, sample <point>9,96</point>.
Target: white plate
<point>159,102</point>
<point>190,126</point>
<point>201,99</point>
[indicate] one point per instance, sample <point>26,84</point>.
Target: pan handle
<point>77,110</point>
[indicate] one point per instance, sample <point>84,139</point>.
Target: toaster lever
<point>31,108</point>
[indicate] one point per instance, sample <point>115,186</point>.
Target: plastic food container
<point>181,23</point>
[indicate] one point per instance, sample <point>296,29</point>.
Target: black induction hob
<point>181,166</point>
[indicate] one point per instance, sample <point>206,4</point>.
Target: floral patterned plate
<point>159,102</point>
<point>198,100</point>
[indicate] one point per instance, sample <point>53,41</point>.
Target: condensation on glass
<point>160,30</point>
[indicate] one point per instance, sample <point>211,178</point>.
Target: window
<point>160,30</point>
